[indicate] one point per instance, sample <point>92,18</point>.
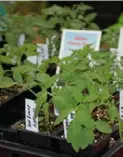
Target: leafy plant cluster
<point>12,26</point>
<point>87,82</point>
<point>111,34</point>
<point>78,17</point>
<point>47,25</point>
<point>14,65</point>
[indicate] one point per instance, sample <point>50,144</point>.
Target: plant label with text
<point>67,121</point>
<point>120,50</point>
<point>31,121</point>
<point>42,49</point>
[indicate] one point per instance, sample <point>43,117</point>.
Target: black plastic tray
<point>53,143</point>
<point>14,108</point>
<point>9,149</point>
<point>115,151</point>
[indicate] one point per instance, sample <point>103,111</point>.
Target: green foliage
<point>61,18</point>
<point>18,68</point>
<point>111,34</point>
<point>84,88</point>
<point>48,25</point>
<point>103,126</point>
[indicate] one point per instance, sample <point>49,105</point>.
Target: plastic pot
<point>9,149</point>
<point>53,143</point>
<point>115,151</point>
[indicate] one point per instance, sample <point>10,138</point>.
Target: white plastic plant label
<point>120,50</point>
<point>114,50</point>
<point>121,104</point>
<point>31,121</point>
<point>42,49</point>
<point>67,121</point>
<point>43,52</point>
<point>21,40</point>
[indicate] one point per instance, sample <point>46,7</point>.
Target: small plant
<point>111,34</point>
<point>48,26</point>
<point>14,65</point>
<point>88,79</point>
<point>87,82</point>
<point>12,26</point>
<point>78,17</point>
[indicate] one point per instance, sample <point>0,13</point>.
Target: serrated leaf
<point>113,112</point>
<point>17,76</point>
<point>104,94</point>
<point>42,77</point>
<point>92,106</point>
<point>103,126</point>
<point>64,101</point>
<point>75,132</point>
<point>90,17</point>
<point>77,94</point>
<point>12,38</point>
<point>6,60</point>
<point>120,20</point>
<point>83,116</point>
<point>41,98</point>
<point>62,116</point>
<point>94,26</point>
<point>6,82</point>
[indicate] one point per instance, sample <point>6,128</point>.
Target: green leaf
<point>90,17</point>
<point>75,132</point>
<point>17,76</point>
<point>62,116</point>
<point>92,106</point>
<point>41,99</point>
<point>42,77</point>
<point>84,117</point>
<point>23,69</point>
<point>94,26</point>
<point>120,20</point>
<point>7,60</point>
<point>113,112</point>
<point>103,126</point>
<point>77,94</point>
<point>1,69</point>
<point>64,101</point>
<point>104,94</point>
<point>6,82</point>
<point>12,38</point>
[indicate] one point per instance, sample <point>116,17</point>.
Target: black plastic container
<point>115,151</point>
<point>115,133</point>
<point>53,143</point>
<point>14,108</point>
<point>9,149</point>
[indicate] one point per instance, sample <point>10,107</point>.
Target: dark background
<point>108,11</point>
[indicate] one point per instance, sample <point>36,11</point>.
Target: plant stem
<point>32,91</point>
<point>5,71</point>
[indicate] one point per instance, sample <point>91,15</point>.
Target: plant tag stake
<point>67,121</point>
<point>42,49</point>
<point>120,50</point>
<point>31,121</point>
<point>121,104</point>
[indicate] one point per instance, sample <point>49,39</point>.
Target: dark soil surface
<point>8,93</point>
